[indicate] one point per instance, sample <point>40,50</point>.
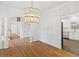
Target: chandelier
<point>31,14</point>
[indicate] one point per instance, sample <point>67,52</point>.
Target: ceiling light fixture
<point>31,14</point>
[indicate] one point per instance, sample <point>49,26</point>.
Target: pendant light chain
<point>32,4</point>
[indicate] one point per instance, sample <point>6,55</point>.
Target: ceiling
<point>41,5</point>
<point>16,8</point>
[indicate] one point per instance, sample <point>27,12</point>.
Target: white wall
<point>4,33</point>
<point>50,29</point>
<point>66,25</point>
<point>6,42</point>
<point>1,33</point>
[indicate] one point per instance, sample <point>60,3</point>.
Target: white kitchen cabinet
<point>74,36</point>
<point>71,35</point>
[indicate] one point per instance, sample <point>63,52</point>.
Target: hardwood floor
<point>22,48</point>
<point>71,45</point>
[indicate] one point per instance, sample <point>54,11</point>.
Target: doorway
<point>70,36</point>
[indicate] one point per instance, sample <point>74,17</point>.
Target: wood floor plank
<point>71,45</point>
<point>22,48</point>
